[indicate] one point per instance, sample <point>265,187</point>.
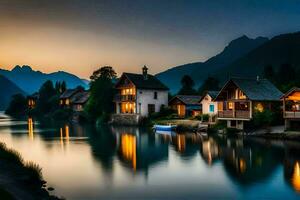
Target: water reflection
<point>128,162</point>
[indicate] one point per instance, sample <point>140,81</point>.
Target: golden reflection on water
<point>128,148</point>
<point>180,142</point>
<point>296,177</point>
<point>30,128</point>
<point>64,136</point>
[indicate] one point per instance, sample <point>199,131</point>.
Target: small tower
<point>145,72</point>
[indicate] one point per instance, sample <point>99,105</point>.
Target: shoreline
<point>20,179</point>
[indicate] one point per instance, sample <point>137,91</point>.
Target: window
<point>211,108</point>
<point>155,95</point>
<point>230,105</point>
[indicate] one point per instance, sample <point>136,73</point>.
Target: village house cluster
<point>140,95</point>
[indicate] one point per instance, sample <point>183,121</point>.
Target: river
<point>84,162</point>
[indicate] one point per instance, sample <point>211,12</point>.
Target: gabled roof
<point>187,99</point>
<point>150,83</point>
<point>288,93</point>
<point>258,90</point>
<point>211,93</point>
<point>80,98</point>
<point>69,93</point>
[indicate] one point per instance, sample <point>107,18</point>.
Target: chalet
<point>241,97</point>
<point>65,98</point>
<point>291,108</point>
<point>139,95</point>
<point>186,105</point>
<point>32,100</point>
<point>79,100</point>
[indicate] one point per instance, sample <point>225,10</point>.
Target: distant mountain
<point>7,90</point>
<point>30,81</point>
<point>282,49</point>
<point>201,70</point>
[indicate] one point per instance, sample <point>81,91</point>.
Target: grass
<point>32,169</point>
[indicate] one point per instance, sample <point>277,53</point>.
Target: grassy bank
<point>20,179</point>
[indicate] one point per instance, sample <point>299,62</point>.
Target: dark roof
<point>150,83</point>
<point>69,93</point>
<point>81,97</point>
<point>212,94</point>
<point>288,93</point>
<point>35,95</point>
<point>259,90</point>
<point>188,99</point>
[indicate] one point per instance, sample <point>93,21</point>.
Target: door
<point>151,109</point>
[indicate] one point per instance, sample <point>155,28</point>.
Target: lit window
<point>259,107</point>
<point>230,105</point>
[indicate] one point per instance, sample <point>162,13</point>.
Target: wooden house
<point>138,95</point>
<point>186,105</point>
<point>65,98</point>
<point>79,100</point>
<point>291,108</point>
<point>241,97</point>
<point>209,106</point>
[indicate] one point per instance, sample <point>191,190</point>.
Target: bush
<point>165,112</point>
<point>263,119</point>
<point>203,117</point>
<point>62,114</point>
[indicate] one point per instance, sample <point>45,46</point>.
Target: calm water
<point>83,162</point>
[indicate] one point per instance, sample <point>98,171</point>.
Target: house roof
<point>187,99</point>
<point>35,95</point>
<point>80,98</point>
<point>211,93</point>
<point>69,93</point>
<point>259,90</point>
<point>150,83</point>
<point>292,90</point>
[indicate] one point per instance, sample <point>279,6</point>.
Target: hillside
<point>201,70</point>
<point>7,89</point>
<point>30,81</point>
<point>279,50</point>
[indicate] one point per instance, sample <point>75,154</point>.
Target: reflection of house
<point>32,100</point>
<point>185,105</point>
<point>139,94</point>
<point>138,149</point>
<point>291,108</point>
<point>241,97</point>
<point>74,98</point>
<point>210,150</point>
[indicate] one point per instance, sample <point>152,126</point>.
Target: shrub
<point>203,117</point>
<point>263,119</point>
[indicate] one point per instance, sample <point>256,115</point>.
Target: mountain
<point>282,49</point>
<point>201,70</point>
<point>30,81</point>
<point>7,89</point>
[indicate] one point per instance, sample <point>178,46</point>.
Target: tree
<point>47,94</point>
<point>269,73</point>
<point>187,86</point>
<point>209,84</point>
<point>100,103</point>
<point>63,87</point>
<point>17,106</point>
<point>106,72</point>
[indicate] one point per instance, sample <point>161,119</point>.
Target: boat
<point>169,127</point>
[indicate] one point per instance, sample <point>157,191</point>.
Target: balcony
<point>239,114</point>
<point>124,98</point>
<point>292,114</point>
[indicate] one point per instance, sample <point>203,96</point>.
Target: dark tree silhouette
<point>209,84</point>
<point>187,86</point>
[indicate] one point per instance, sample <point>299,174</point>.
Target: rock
<point>50,188</point>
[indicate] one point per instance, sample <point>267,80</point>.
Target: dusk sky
<point>79,36</point>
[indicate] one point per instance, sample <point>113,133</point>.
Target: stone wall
<point>126,119</point>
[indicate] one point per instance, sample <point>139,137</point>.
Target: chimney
<point>145,72</point>
<point>257,79</point>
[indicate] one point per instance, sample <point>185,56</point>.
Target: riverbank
<point>20,179</point>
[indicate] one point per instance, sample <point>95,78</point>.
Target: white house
<point>208,105</point>
<point>139,95</point>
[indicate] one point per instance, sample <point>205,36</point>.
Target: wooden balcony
<point>292,114</point>
<point>237,114</point>
<point>124,98</point>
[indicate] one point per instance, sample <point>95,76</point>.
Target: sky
<point>79,36</point>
